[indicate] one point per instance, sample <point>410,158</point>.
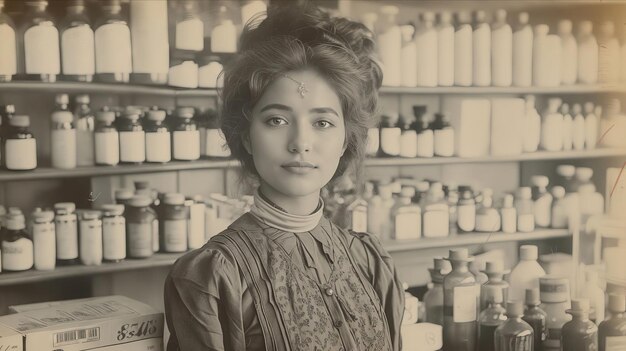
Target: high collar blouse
<point>325,289</point>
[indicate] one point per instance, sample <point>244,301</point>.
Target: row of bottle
<point>131,135</point>
<point>468,304</point>
<point>138,225</point>
<point>484,54</point>
<point>115,48</point>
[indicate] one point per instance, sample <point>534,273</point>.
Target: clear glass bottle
<point>542,201</point>
<point>90,238</point>
<point>579,334</point>
<point>453,208</point>
<point>17,245</point>
<point>139,227</point>
<point>63,135</point>
<point>555,299</point>
<point>466,210</point>
<point>173,218</point>
<point>106,139</point>
<point>185,136</point>
<point>389,39</point>
<point>8,47</point>
<point>514,334</point>
<point>595,294</point>
<point>77,44</point>
<point>609,54</point>
<point>487,218</point>
<point>526,274</point>
<point>460,322</point>
<point>197,208</point>
<point>495,273</point>
<point>612,125</point>
<point>132,137</point>
<point>66,229</point>
<point>85,125</point>
<point>525,211</point>
<point>389,137</point>
<point>158,139</point>
<point>44,241</point>
<point>19,145</point>
<point>113,45</point>
<point>501,51</point>
<point>433,298</point>
<point>612,331</point>
<point>578,128</point>
<point>387,202</point>
<point>39,56</point>
<point>490,318</point>
<point>535,317</point>
<point>113,233</point>
<point>443,135</point>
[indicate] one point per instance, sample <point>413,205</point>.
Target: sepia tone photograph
<point>323,175</point>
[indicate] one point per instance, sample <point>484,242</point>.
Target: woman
<point>297,100</point>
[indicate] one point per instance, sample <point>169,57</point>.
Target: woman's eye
<point>323,124</point>
<point>276,121</point>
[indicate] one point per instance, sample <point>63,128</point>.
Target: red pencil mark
<point>617,180</point>
<point>605,133</point>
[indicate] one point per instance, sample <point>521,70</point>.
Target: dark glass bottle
<point>579,334</point>
<point>17,245</point>
<point>77,44</point>
<point>39,56</point>
<point>514,334</point>
<point>535,317</point>
<point>85,125</point>
<point>495,272</point>
<point>460,322</point>
<point>433,298</point>
<point>612,331</point>
<point>490,318</point>
<point>425,135</point>
<point>139,227</point>
<point>173,221</point>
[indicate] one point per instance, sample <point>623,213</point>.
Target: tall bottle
<point>8,47</point>
<point>591,201</point>
<point>85,126</point>
<point>526,273</point>
<point>39,54</point>
<point>460,326</point>
<point>445,50</point>
<point>579,334</point>
<point>501,51</point>
<point>542,201</point>
<point>568,128</point>
<point>66,229</point>
<point>546,57</point>
<point>387,204</point>
<point>490,318</point>
<point>113,46</point>
<point>591,127</point>
<point>425,135</point>
<point>63,135</point>
<point>569,54</point>
<point>444,136</point>
<point>523,52</point>
<point>463,50</point>
<point>150,44</point>
<point>552,127</point>
<point>409,56</point>
<point>433,298</point>
<point>578,128</point>
<point>390,135</point>
<point>495,273</point>
<point>525,211</point>
<point>555,299</point>
<point>609,54</point>
<point>390,45</point>
<point>77,44</point>
<point>481,50</point>
<point>587,54</point>
<point>466,210</point>
<point>532,125</point>
<point>514,334</point>
<point>612,331</point>
<point>426,43</point>
<point>536,318</point>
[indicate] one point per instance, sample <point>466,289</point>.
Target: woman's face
<point>296,140</point>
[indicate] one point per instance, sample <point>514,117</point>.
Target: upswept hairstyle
<point>294,38</point>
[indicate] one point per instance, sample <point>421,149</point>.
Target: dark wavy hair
<point>294,38</point>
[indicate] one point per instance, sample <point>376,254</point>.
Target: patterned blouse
<point>254,287</point>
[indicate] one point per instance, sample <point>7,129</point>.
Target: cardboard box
<point>83,325</point>
<point>43,305</point>
<point>471,120</point>
<point>152,344</point>
<point>10,340</point>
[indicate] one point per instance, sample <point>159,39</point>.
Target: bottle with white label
<point>609,54</point>
<point>158,139</point>
<point>132,137</point>
<point>19,145</point>
<point>150,41</point>
<point>436,218</point>
<point>552,127</point>
<point>409,56</point>
<point>542,201</point>
<point>568,128</point>
<point>209,72</point>
<point>587,54</point>
<point>508,213</point>
<point>107,139</point>
<point>425,135</point>
<point>523,52</point>
<point>85,125</point>
<point>445,50</point>
<point>44,240</point>
<point>8,47</point>
<point>443,135</point>
<point>113,233</point>
<point>215,142</point>
<point>39,56</point>
<point>591,127</point>
<point>481,50</point>
<point>546,57</point>
<point>569,53</point>
<point>224,34</point>
<point>77,44</point>
<point>532,125</point>
<point>17,245</point>
<point>90,238</point>
<point>63,135</point>
<point>612,331</point>
<point>406,217</point>
<point>487,218</point>
<point>173,220</point>
<point>466,210</point>
<point>559,208</point>
<point>501,51</point>
<point>66,229</point>
<point>525,211</point>
<point>426,43</point>
<point>463,50</point>
<point>389,39</point>
<point>460,299</point>
<point>114,62</point>
<point>408,138</point>
<point>185,135</point>
<point>140,219</point>
<point>578,128</point>
<point>197,209</point>
<point>389,137</point>
<point>6,113</point>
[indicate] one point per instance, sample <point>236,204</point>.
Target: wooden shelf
<point>164,260</point>
<point>472,239</point>
<point>565,89</point>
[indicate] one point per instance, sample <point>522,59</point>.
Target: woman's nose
<point>300,139</point>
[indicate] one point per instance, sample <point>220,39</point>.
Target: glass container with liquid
<point>579,334</point>
<point>490,318</point>
<point>514,334</point>
<point>433,298</point>
<point>460,322</point>
<point>536,318</point>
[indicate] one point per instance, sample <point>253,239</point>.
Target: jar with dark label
<point>107,139</point>
<point>90,238</point>
<point>113,233</point>
<point>44,240</point>
<point>113,45</point>
<point>77,44</point>
<point>132,137</point>
<point>39,54</point>
<point>17,246</point>
<point>186,137</point>
<point>158,141</point>
<point>66,228</point>
<point>20,146</point>
<point>139,226</point>
<point>173,220</point>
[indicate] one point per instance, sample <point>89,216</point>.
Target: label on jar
<point>190,35</point>
<point>175,234</point>
<point>139,240</point>
<point>187,145</point>
<point>91,242</point>
<point>113,49</point>
<point>464,308</point>
<point>359,219</point>
<point>615,343</point>
<point>17,255</point>
<point>63,144</point>
<point>107,148</point>
<point>390,141</point>
<point>132,146</point>
<point>114,238</point>
<point>196,226</point>
<point>216,145</point>
<point>77,51</point>
<point>67,238</point>
<point>41,49</point>
<point>158,147</point>
<point>20,154</point>
<point>8,59</point>
<point>406,225</point>
<point>44,242</point>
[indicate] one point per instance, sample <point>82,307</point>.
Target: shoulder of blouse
<point>366,249</point>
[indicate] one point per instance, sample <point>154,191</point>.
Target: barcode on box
<point>76,336</point>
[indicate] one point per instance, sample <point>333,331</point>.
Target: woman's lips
<point>299,167</point>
